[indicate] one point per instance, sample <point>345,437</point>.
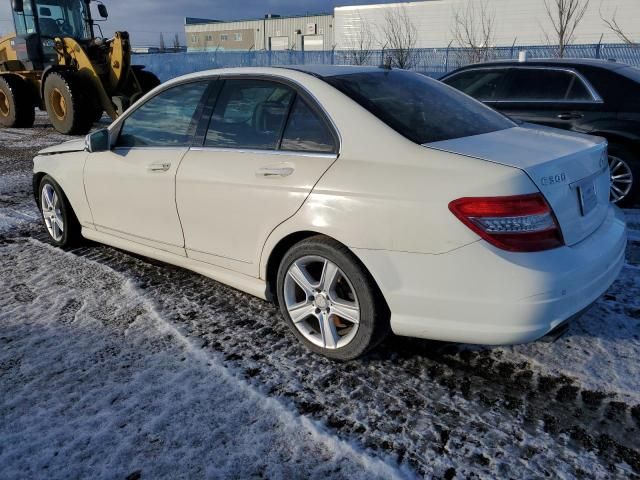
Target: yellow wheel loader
<point>56,62</point>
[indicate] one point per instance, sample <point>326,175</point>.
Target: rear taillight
<point>519,223</point>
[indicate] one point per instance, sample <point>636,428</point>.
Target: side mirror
<point>102,10</point>
<point>99,141</point>
<point>17,5</point>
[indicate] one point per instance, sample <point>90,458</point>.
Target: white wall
<point>523,21</point>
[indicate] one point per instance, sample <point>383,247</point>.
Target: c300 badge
<point>553,179</point>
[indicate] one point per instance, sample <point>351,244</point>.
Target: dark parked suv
<point>597,97</point>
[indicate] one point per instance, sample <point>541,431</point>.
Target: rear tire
<point>57,215</point>
<point>625,167</point>
<point>69,102</point>
<point>16,103</point>
<point>349,307</point>
<point>147,80</point>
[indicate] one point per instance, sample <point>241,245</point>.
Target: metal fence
<point>431,61</point>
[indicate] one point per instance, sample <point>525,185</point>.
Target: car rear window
<point>420,108</point>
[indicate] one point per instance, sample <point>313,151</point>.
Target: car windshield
<point>56,18</point>
<point>420,108</point>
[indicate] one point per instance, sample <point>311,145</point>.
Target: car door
<point>265,147</point>
<point>550,96</point>
<point>131,188</point>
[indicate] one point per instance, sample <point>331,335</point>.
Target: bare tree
<point>474,30</point>
<point>163,47</point>
<point>176,42</point>
<point>401,36</point>
<point>565,16</point>
<point>613,25</point>
<point>361,44</point>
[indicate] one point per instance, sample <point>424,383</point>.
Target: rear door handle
<point>274,171</point>
<point>569,116</point>
<point>159,167</point>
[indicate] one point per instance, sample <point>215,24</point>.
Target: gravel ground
<point>81,327</point>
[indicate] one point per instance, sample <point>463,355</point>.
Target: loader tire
<point>16,103</point>
<point>147,80</point>
<point>69,103</point>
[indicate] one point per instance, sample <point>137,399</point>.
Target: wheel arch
<point>37,178</point>
<point>630,142</point>
<point>280,249</point>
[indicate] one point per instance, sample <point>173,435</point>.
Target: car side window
<point>579,91</point>
<point>249,114</point>
<point>537,84</point>
<point>482,85</point>
<point>166,120</point>
<point>305,131</point>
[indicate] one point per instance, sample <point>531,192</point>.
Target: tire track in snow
<point>73,326</point>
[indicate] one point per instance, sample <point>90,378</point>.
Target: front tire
<point>58,216</point>
<point>69,104</point>
<point>330,301</point>
<point>625,176</point>
<point>16,103</point>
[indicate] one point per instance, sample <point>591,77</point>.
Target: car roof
<point>331,70</point>
<point>319,71</point>
<point>548,62</point>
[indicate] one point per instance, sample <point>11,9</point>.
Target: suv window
<point>306,131</point>
<point>480,84</point>
<point>420,108</point>
<point>538,84</point>
<point>166,120</point>
<point>249,114</point>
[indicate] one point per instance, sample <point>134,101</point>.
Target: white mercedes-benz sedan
<point>362,200</point>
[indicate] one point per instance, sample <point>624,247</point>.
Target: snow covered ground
<point>113,365</point>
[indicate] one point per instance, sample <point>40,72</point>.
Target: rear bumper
<point>480,294</point>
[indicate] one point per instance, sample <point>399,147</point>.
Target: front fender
<point>67,170</point>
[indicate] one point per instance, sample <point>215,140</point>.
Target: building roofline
<point>259,19</point>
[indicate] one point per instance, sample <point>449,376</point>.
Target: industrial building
<point>521,22</point>
<point>273,32</point>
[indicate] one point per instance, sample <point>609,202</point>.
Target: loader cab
<point>38,22</point>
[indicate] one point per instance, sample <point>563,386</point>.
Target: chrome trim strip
<point>596,98</point>
<point>150,147</point>
<point>288,153</point>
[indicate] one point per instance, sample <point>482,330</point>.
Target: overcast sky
<point>145,19</point>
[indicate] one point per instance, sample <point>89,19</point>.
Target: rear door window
<point>541,85</point>
<point>306,131</point>
<point>249,114</point>
<point>482,84</point>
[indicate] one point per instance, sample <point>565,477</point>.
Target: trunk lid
<point>570,169</point>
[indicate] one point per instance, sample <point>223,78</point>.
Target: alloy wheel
<point>321,302</point>
<point>51,212</point>
<point>621,178</point>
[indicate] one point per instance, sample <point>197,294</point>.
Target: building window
<point>224,37</point>
<point>194,38</point>
<point>209,38</point>
<point>237,36</point>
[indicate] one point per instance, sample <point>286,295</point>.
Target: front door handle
<point>569,116</point>
<point>274,171</point>
<point>159,167</point>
